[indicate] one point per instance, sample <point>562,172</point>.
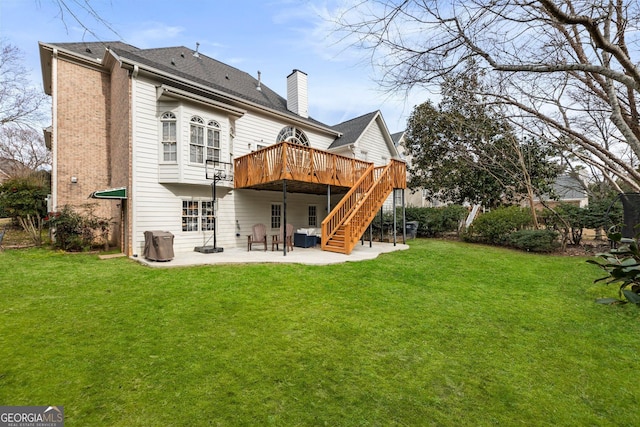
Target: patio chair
<point>258,235</point>
<point>276,239</point>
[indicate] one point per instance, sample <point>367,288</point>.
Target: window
<point>313,216</point>
<point>292,134</point>
<point>196,140</point>
<point>276,215</point>
<point>197,215</point>
<point>213,141</point>
<point>208,216</point>
<point>169,141</point>
<point>190,214</point>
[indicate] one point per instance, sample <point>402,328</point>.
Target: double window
<point>204,139</point>
<point>197,215</point>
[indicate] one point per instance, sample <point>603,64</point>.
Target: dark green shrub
<point>433,222</point>
<point>494,227</point>
<point>622,266</point>
<point>534,240</point>
<point>75,232</point>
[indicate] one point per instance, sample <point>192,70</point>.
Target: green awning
<point>112,193</point>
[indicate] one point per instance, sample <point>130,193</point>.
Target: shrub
<point>622,266</point>
<point>434,222</point>
<point>494,227</point>
<point>534,240</point>
<point>24,200</point>
<point>76,232</point>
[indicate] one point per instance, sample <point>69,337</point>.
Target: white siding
<point>160,188</point>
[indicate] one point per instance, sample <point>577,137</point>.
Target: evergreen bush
<point>494,227</point>
<point>534,240</point>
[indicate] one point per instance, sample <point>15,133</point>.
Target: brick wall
<point>83,139</point>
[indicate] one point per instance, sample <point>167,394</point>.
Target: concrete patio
<point>311,256</point>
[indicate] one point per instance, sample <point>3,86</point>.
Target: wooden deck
<point>293,162</point>
<point>308,170</point>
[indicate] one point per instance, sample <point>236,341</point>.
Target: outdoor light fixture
<point>74,179</point>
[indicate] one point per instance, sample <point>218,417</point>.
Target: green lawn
<point>444,334</point>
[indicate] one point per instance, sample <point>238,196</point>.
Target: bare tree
<point>19,102</point>
<point>25,148</point>
<point>564,70</point>
<point>82,13</point>
<point>20,113</point>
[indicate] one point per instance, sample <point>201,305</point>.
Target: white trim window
<point>294,135</point>
<point>208,215</point>
<point>196,140</point>
<point>197,215</point>
<point>190,215</point>
<point>213,140</point>
<point>168,122</point>
<point>313,216</point>
<point>276,215</point>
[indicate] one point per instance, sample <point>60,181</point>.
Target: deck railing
<point>352,215</point>
<point>296,162</point>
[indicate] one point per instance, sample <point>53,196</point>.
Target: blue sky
<point>273,37</point>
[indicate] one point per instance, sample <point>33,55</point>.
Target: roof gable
<point>352,129</point>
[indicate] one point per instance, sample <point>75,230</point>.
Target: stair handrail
<point>382,184</point>
<point>336,217</point>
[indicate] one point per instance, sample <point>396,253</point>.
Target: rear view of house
<point>144,133</point>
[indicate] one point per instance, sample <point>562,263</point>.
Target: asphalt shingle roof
<point>352,129</point>
<point>203,70</point>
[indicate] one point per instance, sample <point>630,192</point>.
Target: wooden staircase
<point>346,223</point>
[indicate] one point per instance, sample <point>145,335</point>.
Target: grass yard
<point>444,334</point>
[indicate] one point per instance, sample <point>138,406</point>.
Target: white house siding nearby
<point>254,207</point>
<point>372,142</point>
<point>161,187</point>
<point>255,129</point>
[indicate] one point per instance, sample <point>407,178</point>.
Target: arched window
<point>169,141</point>
<point>213,140</point>
<point>294,135</point>
<point>196,140</point>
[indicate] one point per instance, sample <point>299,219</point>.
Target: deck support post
<point>395,226</point>
<point>284,216</point>
<point>404,220</point>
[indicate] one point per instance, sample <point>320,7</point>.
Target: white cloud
<point>153,34</point>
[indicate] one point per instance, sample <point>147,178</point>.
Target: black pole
<point>284,215</point>
<point>215,215</point>
<point>395,220</point>
<point>381,225</point>
<point>404,221</point>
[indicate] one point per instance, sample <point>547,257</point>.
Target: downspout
<point>54,131</point>
<point>131,199</point>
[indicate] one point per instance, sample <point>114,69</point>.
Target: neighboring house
<point>568,189</point>
<point>139,130</point>
<point>413,198</point>
<point>4,172</point>
<point>10,168</point>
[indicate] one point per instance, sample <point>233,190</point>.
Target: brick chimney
<point>297,98</point>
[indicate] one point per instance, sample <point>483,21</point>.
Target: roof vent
<point>259,87</point>
<point>173,61</point>
<point>196,54</point>
<point>87,50</point>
